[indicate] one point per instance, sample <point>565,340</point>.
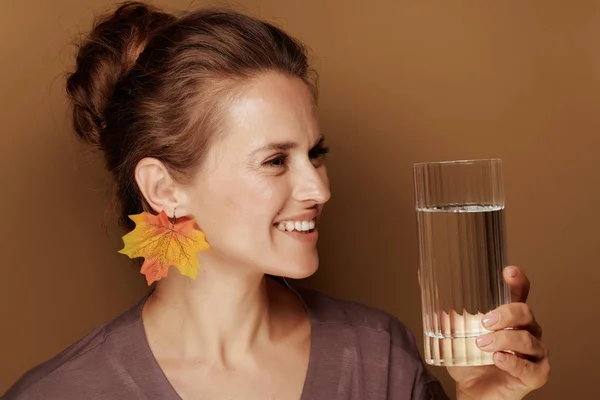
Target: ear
<point>159,188</point>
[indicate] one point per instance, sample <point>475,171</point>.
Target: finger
<point>518,283</point>
<point>513,315</point>
<point>518,341</point>
<point>531,374</point>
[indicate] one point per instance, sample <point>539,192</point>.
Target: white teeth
<point>301,226</point>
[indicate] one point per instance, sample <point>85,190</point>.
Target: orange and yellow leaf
<point>164,244</point>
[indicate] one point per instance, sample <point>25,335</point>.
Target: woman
<point>208,120</point>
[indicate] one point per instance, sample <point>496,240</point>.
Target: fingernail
<point>484,340</point>
<point>490,319</point>
<point>512,271</point>
<point>501,357</point>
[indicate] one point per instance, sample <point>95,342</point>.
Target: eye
<point>276,162</point>
<point>318,154</point>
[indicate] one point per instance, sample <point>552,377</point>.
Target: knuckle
<point>546,351</point>
<point>543,376</point>
<point>529,318</point>
<point>547,371</point>
<point>526,314</point>
<point>525,367</point>
<point>503,338</point>
<point>510,314</point>
<point>530,341</point>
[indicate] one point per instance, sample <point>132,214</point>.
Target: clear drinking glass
<point>461,232</point>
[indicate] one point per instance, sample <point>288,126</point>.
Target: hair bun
<point>105,57</point>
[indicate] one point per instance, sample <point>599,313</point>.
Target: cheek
<point>261,190</point>
<point>245,204</point>
<point>255,200</point>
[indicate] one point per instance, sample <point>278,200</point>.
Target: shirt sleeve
<point>427,387</point>
<point>407,358</point>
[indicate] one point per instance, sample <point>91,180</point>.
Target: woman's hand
<point>512,376</point>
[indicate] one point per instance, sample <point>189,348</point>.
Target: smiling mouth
<point>307,226</point>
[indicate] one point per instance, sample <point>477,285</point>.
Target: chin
<point>300,273</point>
<point>295,269</point>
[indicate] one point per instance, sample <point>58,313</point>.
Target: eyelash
<point>317,153</point>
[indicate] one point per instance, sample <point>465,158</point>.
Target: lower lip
<point>310,237</point>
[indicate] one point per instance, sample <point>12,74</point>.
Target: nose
<point>312,185</point>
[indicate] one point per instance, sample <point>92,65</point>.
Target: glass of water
<point>462,251</point>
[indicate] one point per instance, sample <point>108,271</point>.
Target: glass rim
<point>463,162</point>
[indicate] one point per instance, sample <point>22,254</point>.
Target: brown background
<point>401,82</point>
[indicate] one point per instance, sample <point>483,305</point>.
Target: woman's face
<point>262,188</point>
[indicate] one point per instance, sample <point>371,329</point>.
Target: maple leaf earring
<point>164,243</point>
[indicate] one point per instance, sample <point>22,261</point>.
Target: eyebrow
<point>285,145</point>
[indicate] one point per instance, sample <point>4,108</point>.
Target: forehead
<point>273,108</point>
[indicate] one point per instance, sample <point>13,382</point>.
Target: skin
<point>231,333</point>
<point>511,376</point>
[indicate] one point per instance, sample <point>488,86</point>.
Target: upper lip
<point>306,216</point>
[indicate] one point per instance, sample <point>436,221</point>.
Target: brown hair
<point>151,84</point>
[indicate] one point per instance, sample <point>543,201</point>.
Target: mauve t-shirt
<point>356,352</point>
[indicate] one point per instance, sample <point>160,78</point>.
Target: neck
<point>218,317</point>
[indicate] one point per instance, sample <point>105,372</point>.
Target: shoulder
<point>326,309</point>
<point>81,364</point>
<point>386,347</point>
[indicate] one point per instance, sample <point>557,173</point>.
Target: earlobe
<point>156,185</point>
